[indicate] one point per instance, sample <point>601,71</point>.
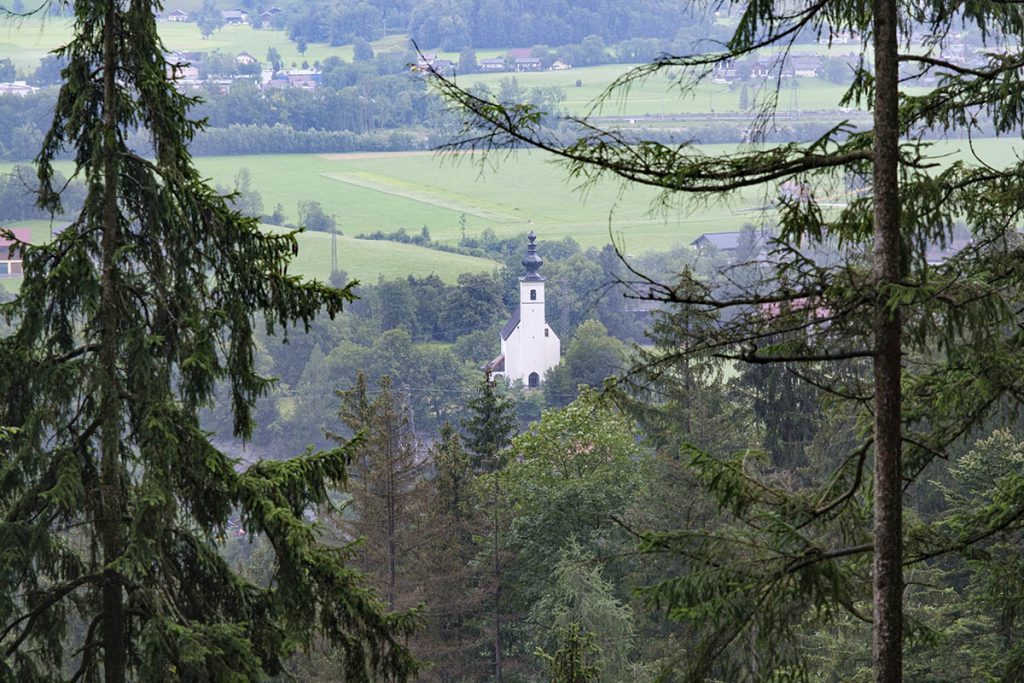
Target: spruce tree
<point>447,566</point>
<point>113,497</point>
<point>387,496</point>
<point>489,427</point>
<point>881,318</point>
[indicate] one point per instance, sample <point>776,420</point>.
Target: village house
<point>10,257</point>
<point>430,61</point>
<point>246,58</point>
<point>722,241</point>
<point>302,78</point>
<point>527,64</point>
<point>19,88</point>
<point>180,68</point>
<point>724,71</point>
<point>529,347</point>
<point>267,16</point>
<point>806,66</point>
<point>445,67</point>
<point>491,64</point>
<point>234,16</point>
<point>176,16</point>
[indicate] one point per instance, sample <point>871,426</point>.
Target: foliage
<point>592,357</point>
<point>569,663</point>
<point>591,630</point>
<point>849,294</point>
<point>448,567</point>
<point>488,427</point>
<point>387,499</point>
<point>313,217</point>
<point>114,498</point>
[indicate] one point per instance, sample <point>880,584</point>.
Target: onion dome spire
<point>532,262</point>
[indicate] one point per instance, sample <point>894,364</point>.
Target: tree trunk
<point>887,640</point>
<point>497,577</point>
<point>111,493</point>
<point>392,509</point>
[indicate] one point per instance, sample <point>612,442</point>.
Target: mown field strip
<point>422,193</point>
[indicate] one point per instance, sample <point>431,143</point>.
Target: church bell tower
<point>529,347</point>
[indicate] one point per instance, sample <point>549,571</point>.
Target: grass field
<point>364,260</point>
<point>26,42</point>
<point>659,95</point>
<point>369,192</point>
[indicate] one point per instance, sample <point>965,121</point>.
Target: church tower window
<point>533,295</point>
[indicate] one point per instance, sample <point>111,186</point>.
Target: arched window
<point>533,380</point>
<point>533,295</point>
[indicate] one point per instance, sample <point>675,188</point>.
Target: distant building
<point>302,78</point>
<point>492,64</point>
<point>176,16</point>
<point>527,64</point>
<point>431,62</point>
<point>10,258</point>
<point>246,58</point>
<point>19,88</point>
<point>179,67</point>
<point>529,347</point>
<point>267,17</point>
<point>234,16</point>
<point>723,241</point>
<point>724,70</point>
<point>559,65</point>
<point>182,71</point>
<point>806,66</point>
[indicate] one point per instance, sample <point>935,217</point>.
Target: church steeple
<point>529,347</point>
<point>532,262</point>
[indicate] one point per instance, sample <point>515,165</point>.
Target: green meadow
<point>508,194</point>
<point>660,95</point>
<point>364,260</point>
<point>511,195</point>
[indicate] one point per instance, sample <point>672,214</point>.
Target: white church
<point>529,347</point>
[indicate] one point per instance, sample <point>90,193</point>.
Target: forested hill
<point>458,24</point>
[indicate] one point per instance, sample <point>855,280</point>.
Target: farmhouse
<point>234,16</point>
<point>267,17</point>
<point>10,257</point>
<point>725,70</point>
<point>176,16</point>
<point>527,64</point>
<point>492,64</point>
<point>806,66</point>
<point>723,241</point>
<point>529,347</point>
<point>245,58</point>
<point>302,78</point>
